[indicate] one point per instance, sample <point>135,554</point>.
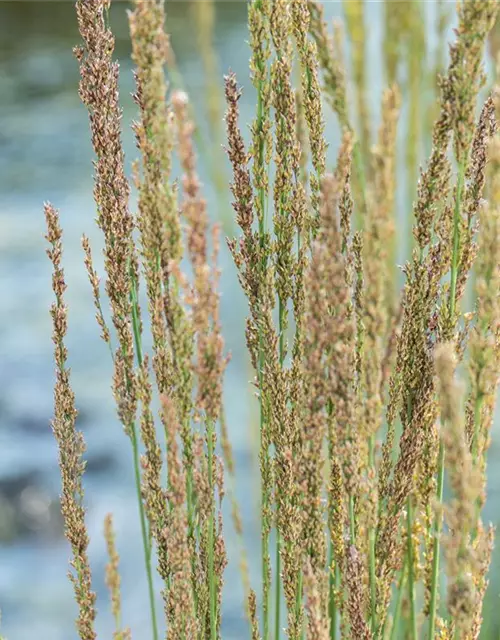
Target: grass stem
<point>146,540</point>
<point>435,550</point>
<point>399,606</point>
<point>411,570</point>
<point>211,537</point>
<point>372,558</point>
<point>332,604</point>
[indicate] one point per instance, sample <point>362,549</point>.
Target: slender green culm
<point>435,584</point>
<point>411,570</point>
<point>211,535</point>
<point>399,605</point>
<point>146,538</point>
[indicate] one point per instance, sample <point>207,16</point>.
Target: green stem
<point>146,542</point>
<point>399,605</point>
<point>411,570</point>
<point>373,582</point>
<point>298,602</point>
<point>264,513</point>
<point>144,531</point>
<point>352,522</point>
<point>277,604</point>
<point>371,541</point>
<point>332,606</point>
<point>435,550</point>
<point>191,528</point>
<point>265,503</point>
<point>211,538</point>
<point>277,630</point>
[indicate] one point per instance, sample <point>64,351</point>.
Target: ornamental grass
<point>375,384</point>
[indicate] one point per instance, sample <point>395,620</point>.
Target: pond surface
<point>45,154</point>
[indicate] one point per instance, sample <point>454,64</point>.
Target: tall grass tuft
<point>362,418</point>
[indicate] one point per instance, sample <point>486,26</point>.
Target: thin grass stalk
<point>211,536</point>
<point>435,550</point>
<point>145,533</point>
<point>399,605</point>
<point>411,570</point>
<point>372,561</point>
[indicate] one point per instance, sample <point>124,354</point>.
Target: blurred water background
<point>45,154</point>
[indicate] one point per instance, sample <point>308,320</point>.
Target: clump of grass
<point>360,411</point>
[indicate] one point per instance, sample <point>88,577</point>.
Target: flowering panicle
<point>180,593</point>
<point>113,579</point>
<point>209,362</point>
<point>70,441</point>
<point>412,387</point>
<point>317,616</point>
<point>484,341</point>
<point>203,298</point>
<point>327,380</point>
<point>99,93</point>
<point>94,283</point>
<point>460,513</point>
<point>287,160</point>
<point>251,253</point>
<point>158,218</point>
